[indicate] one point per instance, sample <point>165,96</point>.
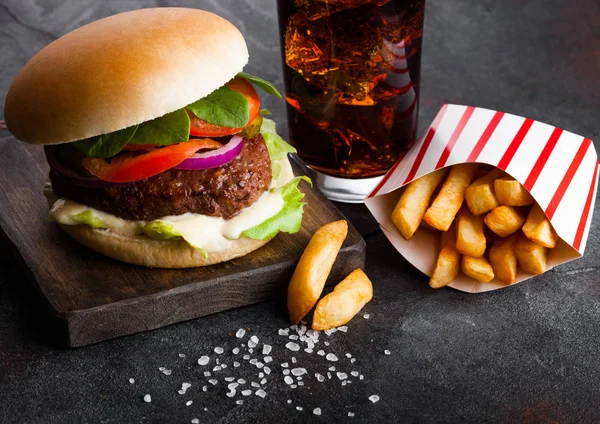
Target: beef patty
<point>221,192</point>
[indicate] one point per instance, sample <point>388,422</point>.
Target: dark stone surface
<point>524,354</point>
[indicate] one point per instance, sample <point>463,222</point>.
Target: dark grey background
<point>528,353</point>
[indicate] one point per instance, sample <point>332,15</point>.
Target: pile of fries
<point>347,298</point>
<point>489,227</point>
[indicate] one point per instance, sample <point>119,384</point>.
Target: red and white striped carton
<point>559,168</point>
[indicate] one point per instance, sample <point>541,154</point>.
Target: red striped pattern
<point>514,145</point>
<point>586,211</point>
<point>568,177</point>
<point>542,159</point>
<point>455,135</point>
<point>485,136</point>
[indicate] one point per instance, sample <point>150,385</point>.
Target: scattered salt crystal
<point>161,369</point>
<point>182,355</point>
<point>288,379</point>
<point>344,382</point>
<point>251,343</point>
<point>184,387</point>
<point>231,394</point>
<point>293,386</point>
<point>203,360</point>
<point>294,360</point>
<point>266,349</point>
<point>260,375</point>
<point>224,366</point>
<point>167,372</point>
<point>259,365</point>
<point>235,350</point>
<point>361,377</point>
<point>294,347</point>
<point>246,357</point>
<point>148,398</point>
<point>354,373</point>
<point>284,331</point>
<point>261,393</point>
<point>204,388</point>
<point>350,414</point>
<point>298,378</point>
<point>308,350</point>
<point>195,421</point>
<point>330,331</point>
<point>302,338</point>
<point>299,408</point>
<point>312,334</point>
<point>321,352</point>
<point>232,386</point>
<point>188,403</point>
<point>367,316</point>
<point>373,398</point>
<point>343,328</point>
<point>229,379</point>
<point>246,392</point>
<point>267,370</point>
<point>206,373</point>
<point>254,339</point>
<point>286,372</point>
<point>329,375</point>
<point>348,355</point>
<point>205,409</point>
<point>387,352</point>
<point>327,343</point>
<point>263,381</point>
<point>217,361</point>
<point>285,365</point>
<point>332,368</point>
<point>219,350</point>
<point>239,401</point>
<point>317,411</point>
<point>301,383</point>
<point>241,381</point>
<point>250,350</point>
<point>298,371</point>
<point>213,381</point>
<point>320,378</point>
<point>353,360</point>
<point>289,401</point>
<point>342,375</point>
<point>331,357</point>
<point>255,384</point>
<point>293,337</point>
<point>218,368</point>
<point>267,359</point>
<point>310,343</point>
<point>236,364</point>
<point>294,327</point>
<point>240,333</point>
<point>131,381</point>
<point>253,361</point>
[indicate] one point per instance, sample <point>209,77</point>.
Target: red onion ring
<point>214,158</point>
<point>73,177</point>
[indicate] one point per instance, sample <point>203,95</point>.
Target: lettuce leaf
<point>288,219</point>
<point>277,146</point>
<point>88,218</point>
<point>163,230</point>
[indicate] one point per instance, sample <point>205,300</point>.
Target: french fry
<point>448,261</point>
<point>532,257</point>
<point>411,207</point>
<point>510,192</point>
<point>344,302</point>
<point>480,195</point>
<point>470,238</point>
<point>504,220</point>
<point>537,228</point>
<point>313,269</point>
<point>444,208</point>
<point>477,268</point>
<point>504,259</point>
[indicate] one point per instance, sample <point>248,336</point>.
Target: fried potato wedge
<point>510,192</point>
<point>448,261</point>
<point>313,269</point>
<point>413,203</point>
<point>480,195</point>
<point>505,220</point>
<point>477,268</point>
<point>532,257</point>
<point>504,259</point>
<point>537,228</point>
<point>344,302</point>
<point>446,204</point>
<point>470,238</point>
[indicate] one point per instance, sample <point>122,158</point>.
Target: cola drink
<point>351,71</point>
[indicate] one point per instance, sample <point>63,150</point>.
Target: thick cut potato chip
<point>313,269</point>
<point>532,256</point>
<point>505,220</point>
<point>538,228</point>
<point>470,238</point>
<point>444,208</point>
<point>344,302</point>
<point>480,195</point>
<point>448,261</point>
<point>477,268</point>
<point>510,192</point>
<point>504,259</point>
<point>411,207</point>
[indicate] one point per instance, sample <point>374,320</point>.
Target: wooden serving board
<point>99,298</point>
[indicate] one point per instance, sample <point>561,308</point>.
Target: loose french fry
<point>504,220</point>
<point>477,268</point>
<point>532,257</point>
<point>411,207</point>
<point>448,261</point>
<point>510,192</point>
<point>313,269</point>
<point>444,208</point>
<point>480,195</point>
<point>504,259</point>
<point>344,302</point>
<point>470,238</point>
<point>537,228</point>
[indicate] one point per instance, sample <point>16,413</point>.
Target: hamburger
<point>159,152</point>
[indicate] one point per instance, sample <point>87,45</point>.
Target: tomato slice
<point>130,167</point>
<point>201,128</point>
